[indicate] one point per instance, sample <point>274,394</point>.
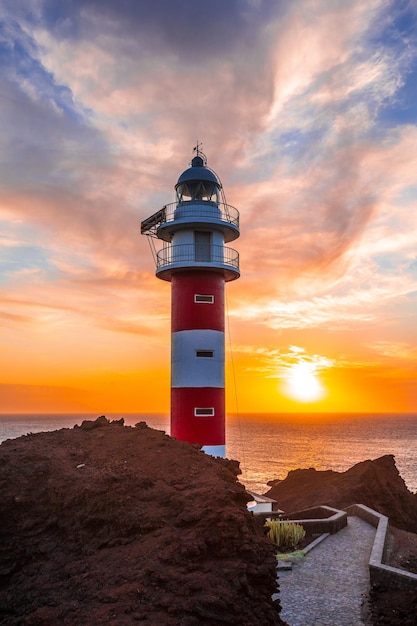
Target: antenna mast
<point>199,152</point>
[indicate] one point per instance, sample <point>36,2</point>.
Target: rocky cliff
<point>377,484</point>
<point>106,524</point>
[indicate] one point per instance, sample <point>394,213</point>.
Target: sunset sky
<point>307,111</point>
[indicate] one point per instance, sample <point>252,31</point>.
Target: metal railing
<point>201,208</point>
<point>203,254</point>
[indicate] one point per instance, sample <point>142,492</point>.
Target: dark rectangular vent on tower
<point>203,411</point>
<point>207,298</point>
<point>205,353</point>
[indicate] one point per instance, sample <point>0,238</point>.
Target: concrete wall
<point>332,524</point>
<point>383,575</point>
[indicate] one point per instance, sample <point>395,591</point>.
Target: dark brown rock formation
<point>106,524</point>
<point>376,484</point>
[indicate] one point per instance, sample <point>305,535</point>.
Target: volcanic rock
<point>376,484</point>
<point>108,524</point>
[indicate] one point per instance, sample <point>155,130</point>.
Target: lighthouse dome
<point>198,182</point>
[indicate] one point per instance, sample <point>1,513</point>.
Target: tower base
<point>215,451</point>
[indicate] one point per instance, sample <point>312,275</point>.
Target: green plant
<point>292,557</point>
<point>285,534</point>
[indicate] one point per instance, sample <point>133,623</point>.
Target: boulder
<point>376,484</point>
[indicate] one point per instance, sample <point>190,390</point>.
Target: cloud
<point>395,349</point>
<point>40,120</point>
<point>12,318</point>
<point>359,304</point>
<point>278,363</point>
<point>192,30</point>
<point>330,166</point>
<point>304,111</point>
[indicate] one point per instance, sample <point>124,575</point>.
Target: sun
<point>302,383</point>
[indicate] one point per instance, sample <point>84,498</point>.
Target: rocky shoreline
<point>376,484</point>
<point>108,524</point>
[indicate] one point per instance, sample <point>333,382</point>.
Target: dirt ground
<point>107,524</point>
<point>402,550</point>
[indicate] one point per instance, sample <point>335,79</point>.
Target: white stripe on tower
<point>197,358</point>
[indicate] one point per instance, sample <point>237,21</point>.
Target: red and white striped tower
<point>195,260</point>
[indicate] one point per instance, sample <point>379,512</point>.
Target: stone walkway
<point>329,587</point>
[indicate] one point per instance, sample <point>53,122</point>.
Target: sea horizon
<point>269,445</point>
<point>231,413</point>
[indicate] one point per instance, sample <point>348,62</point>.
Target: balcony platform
<point>194,214</point>
<point>215,258</point>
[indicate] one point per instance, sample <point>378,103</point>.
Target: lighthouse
<point>193,257</point>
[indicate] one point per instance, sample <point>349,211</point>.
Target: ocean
<point>270,445</point>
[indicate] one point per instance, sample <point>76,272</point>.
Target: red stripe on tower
<point>197,301</point>
<point>195,260</point>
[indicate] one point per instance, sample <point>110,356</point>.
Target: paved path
<point>329,586</point>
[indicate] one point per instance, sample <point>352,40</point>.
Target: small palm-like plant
<point>285,534</point>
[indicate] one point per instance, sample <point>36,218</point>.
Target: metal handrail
<point>200,255</point>
<point>195,208</point>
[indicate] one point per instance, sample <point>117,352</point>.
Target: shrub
<point>285,534</point>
